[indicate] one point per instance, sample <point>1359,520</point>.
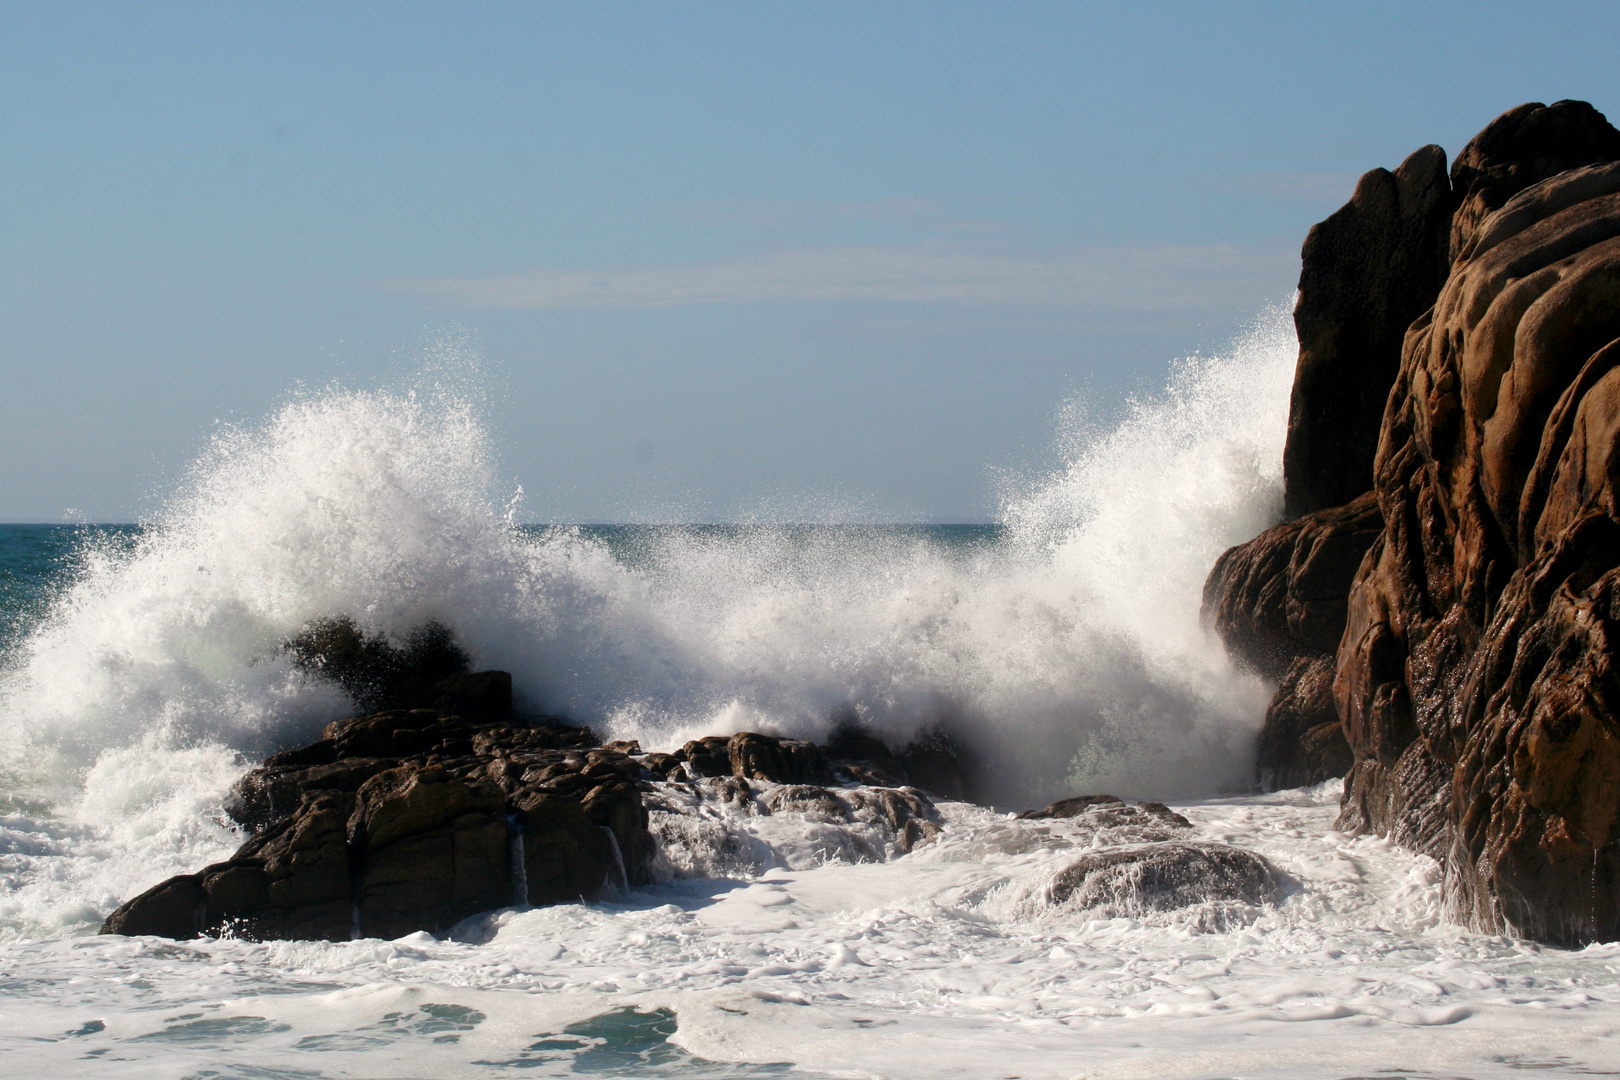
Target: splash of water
<point>1067,655</point>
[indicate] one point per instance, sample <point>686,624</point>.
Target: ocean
<point>141,673</point>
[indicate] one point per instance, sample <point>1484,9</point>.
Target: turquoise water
<point>36,560</point>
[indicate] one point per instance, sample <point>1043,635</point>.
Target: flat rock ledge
<point>409,819</point>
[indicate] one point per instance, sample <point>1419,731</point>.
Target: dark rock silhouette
<point>1365,274</point>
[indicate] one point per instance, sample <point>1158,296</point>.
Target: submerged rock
<point>1132,882</point>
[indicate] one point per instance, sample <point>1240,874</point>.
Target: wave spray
<point>1065,655</point>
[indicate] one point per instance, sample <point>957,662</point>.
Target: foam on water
<point>942,963</point>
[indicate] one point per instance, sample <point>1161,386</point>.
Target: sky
<point>714,261</point>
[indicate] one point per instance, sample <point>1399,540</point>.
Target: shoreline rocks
<point>410,819</point>
<point>1474,674</point>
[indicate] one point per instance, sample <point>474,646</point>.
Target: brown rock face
<point>1521,147</point>
<point>1279,603</point>
<point>1365,274</point>
<point>1284,594</point>
<point>1476,673</point>
<point>410,820</point>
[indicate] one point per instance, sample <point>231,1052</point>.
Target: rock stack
<point>1444,630</point>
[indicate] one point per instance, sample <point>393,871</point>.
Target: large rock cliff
<point>1474,670</point>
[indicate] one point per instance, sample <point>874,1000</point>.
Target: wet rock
<point>409,819</point>
<point>566,857</point>
<point>430,850</point>
<point>378,673</point>
<point>816,803</point>
<point>710,756</point>
<point>467,814</point>
<point>1073,807</point>
<point>1302,741</point>
<point>669,767</point>
<point>906,813</point>
<point>781,761</point>
<point>1365,273</point>
<point>176,908</point>
<point>274,791</point>
<point>615,806</point>
<point>292,880</point>
<point>1150,879</point>
<point>1284,595</point>
<point>1108,809</point>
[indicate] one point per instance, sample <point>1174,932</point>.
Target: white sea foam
<point>914,969</point>
<point>1070,653</point>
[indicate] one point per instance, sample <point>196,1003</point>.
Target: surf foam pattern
<point>938,964</point>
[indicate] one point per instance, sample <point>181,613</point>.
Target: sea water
<point>1060,647</point>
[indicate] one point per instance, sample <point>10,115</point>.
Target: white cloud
<point>1325,188</point>
<point>1125,280</point>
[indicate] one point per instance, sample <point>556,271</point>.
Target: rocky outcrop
<point>1284,594</point>
<point>1474,678</point>
<point>1365,274</point>
<point>411,819</point>
<point>1408,253</point>
<point>1476,672</point>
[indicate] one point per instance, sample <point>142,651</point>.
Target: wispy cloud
<point>1326,188</point>
<point>794,215</point>
<point>1125,280</point>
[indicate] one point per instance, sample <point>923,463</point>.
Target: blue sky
<point>714,257</point>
